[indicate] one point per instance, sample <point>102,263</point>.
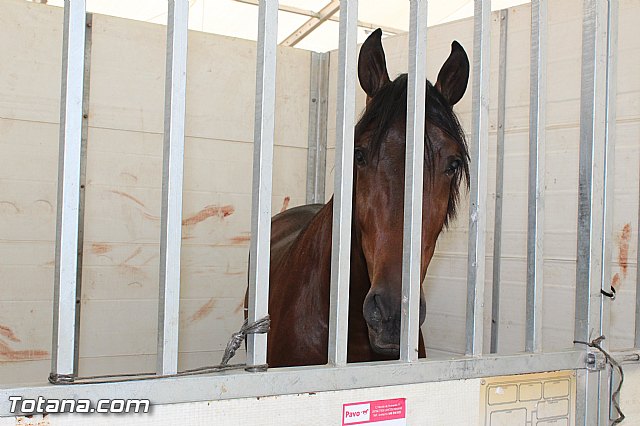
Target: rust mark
<point>241,239</point>
<point>133,177</point>
<point>50,263</point>
<point>285,203</point>
<point>46,203</point>
<point>615,282</point>
<point>207,212</point>
<point>623,253</point>
<point>8,333</point>
<point>129,196</point>
<point>100,248</point>
<point>203,311</point>
<point>134,254</point>
<point>145,213</point>
<point>8,354</point>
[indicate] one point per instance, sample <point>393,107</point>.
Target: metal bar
<point>310,13</point>
<point>318,113</point>
<point>343,184</point>
<point>478,190</point>
<point>637,334</point>
<point>537,137</point>
<point>497,228</point>
<point>172,177</point>
<point>262,179</point>
<point>310,26</point>
<point>282,381</point>
<point>66,254</point>
<point>592,187</point>
<point>83,184</point>
<point>413,181</point>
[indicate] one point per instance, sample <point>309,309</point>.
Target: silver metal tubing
<point>537,132</point>
<point>318,113</point>
<point>66,252</point>
<point>413,181</point>
<point>478,191</point>
<point>262,177</point>
<point>594,185</point>
<point>312,24</point>
<point>172,177</point>
<point>343,183</point>
<point>497,228</point>
<point>282,381</point>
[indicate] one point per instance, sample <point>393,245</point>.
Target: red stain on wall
<point>207,212</point>
<point>241,239</point>
<point>9,354</point>
<point>615,282</point>
<point>100,248</point>
<point>623,253</point>
<point>203,311</point>
<point>145,213</point>
<point>8,333</point>
<point>285,203</point>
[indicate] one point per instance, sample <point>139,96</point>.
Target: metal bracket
<point>595,361</point>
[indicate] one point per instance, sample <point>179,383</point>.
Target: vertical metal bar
<point>262,179</point>
<point>413,181</point>
<point>478,191</point>
<point>497,228</point>
<point>537,136</point>
<point>592,187</point>
<point>83,182</point>
<point>66,255</point>
<point>172,177</point>
<point>318,111</point>
<point>343,184</point>
<point>637,335</point>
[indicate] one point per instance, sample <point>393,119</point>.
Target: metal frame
<point>537,135</point>
<point>310,26</point>
<point>343,187</point>
<point>172,177</point>
<point>497,227</point>
<point>69,176</point>
<point>413,182</point>
<point>478,173</point>
<point>594,223</point>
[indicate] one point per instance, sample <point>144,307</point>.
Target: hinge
<point>595,361</point>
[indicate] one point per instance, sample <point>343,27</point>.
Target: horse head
<point>379,167</point>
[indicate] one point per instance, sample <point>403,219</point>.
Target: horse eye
<point>453,167</point>
<point>359,156</point>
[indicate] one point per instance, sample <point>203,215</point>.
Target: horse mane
<point>389,106</point>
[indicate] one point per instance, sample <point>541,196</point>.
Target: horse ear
<point>372,66</point>
<point>454,74</point>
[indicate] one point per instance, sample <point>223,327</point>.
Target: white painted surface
<point>427,404</point>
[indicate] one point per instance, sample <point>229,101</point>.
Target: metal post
<point>413,181</point>
<point>343,184</point>
<point>594,190</point>
<point>497,228</point>
<point>66,255</point>
<point>537,136</point>
<point>637,336</point>
<point>478,192</point>
<point>172,177</point>
<point>262,179</point>
<point>318,112</point>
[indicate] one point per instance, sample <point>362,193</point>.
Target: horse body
<point>300,269</point>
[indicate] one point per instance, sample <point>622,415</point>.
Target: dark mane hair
<point>389,106</point>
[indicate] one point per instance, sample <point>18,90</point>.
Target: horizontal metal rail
<point>304,379</point>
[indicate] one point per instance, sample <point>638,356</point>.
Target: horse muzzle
<point>383,317</point>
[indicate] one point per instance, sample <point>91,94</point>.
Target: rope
<point>260,326</point>
<point>615,396</point>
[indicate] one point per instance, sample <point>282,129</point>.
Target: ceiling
<point>238,18</point>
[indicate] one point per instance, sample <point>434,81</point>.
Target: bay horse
<point>300,266</point>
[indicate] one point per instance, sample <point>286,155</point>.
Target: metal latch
<point>595,361</point>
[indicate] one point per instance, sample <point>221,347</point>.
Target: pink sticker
<point>384,412</point>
